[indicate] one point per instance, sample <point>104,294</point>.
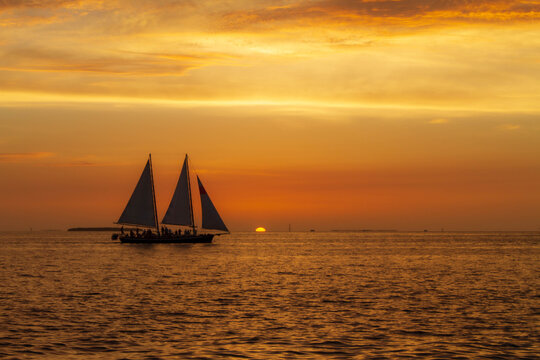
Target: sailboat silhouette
<point>141,211</point>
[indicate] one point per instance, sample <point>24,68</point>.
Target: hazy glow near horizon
<point>326,114</point>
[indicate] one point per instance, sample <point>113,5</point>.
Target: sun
<point>260,229</point>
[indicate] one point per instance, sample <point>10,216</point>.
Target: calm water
<point>271,296</point>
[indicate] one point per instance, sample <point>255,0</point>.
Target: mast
<point>153,193</point>
<point>189,195</point>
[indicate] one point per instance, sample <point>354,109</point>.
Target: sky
<point>322,114</point>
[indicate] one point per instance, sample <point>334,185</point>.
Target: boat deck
<point>167,239</point>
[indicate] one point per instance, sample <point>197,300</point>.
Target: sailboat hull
<point>183,239</point>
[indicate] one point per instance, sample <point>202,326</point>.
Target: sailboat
<point>141,211</point>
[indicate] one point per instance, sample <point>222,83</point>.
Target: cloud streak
<point>213,15</point>
<point>405,13</point>
<point>438,121</point>
<point>110,62</point>
<point>20,157</point>
<point>11,4</point>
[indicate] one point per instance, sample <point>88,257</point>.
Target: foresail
<point>179,211</point>
<point>140,207</point>
<point>210,217</point>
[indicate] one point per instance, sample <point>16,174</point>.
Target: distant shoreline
<point>94,229</point>
<point>366,230</point>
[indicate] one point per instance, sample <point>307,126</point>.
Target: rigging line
<point>153,194</point>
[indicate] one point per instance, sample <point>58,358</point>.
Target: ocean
<point>314,295</point>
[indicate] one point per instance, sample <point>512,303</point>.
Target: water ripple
<point>289,295</point>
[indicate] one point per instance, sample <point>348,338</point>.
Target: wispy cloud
<point>510,127</point>
<point>57,161</point>
<point>173,16</point>
<point>18,157</point>
<point>111,62</point>
<point>11,4</point>
<point>86,161</point>
<point>438,121</point>
<point>78,163</point>
<point>416,12</point>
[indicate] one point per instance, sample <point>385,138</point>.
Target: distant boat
<point>141,211</point>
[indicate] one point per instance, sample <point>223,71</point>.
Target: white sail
<point>210,217</point>
<point>140,209</point>
<point>180,209</point>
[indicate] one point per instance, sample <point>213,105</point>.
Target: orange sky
<point>324,114</point>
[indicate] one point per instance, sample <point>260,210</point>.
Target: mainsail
<point>180,209</point>
<point>141,207</point>
<point>210,217</point>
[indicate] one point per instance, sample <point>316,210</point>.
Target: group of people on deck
<point>165,232</point>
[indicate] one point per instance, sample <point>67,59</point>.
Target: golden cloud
<point>278,51</point>
<point>404,13</point>
<point>113,62</point>
<point>121,15</point>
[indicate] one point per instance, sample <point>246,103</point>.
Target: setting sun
<point>260,229</point>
